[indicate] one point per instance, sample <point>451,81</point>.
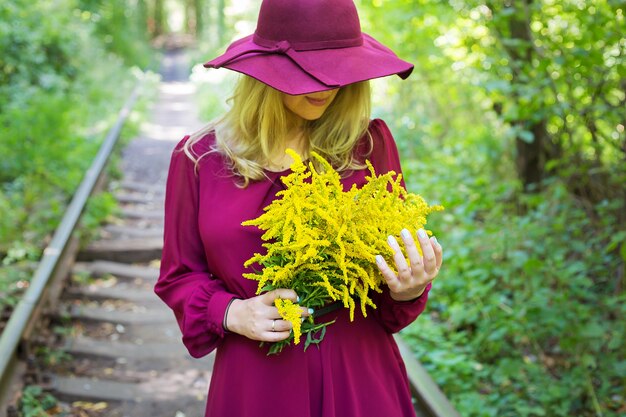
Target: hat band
<point>282,48</point>
<point>312,46</point>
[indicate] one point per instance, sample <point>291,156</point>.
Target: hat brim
<point>343,65</point>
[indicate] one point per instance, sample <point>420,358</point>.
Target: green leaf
<point>526,136</point>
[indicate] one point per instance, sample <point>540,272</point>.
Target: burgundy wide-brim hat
<point>305,46</point>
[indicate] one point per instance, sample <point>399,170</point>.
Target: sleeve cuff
<point>215,312</point>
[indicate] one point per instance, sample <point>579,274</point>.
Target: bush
<point>524,319</point>
<point>60,91</point>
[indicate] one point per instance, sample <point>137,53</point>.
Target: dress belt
<point>328,309</point>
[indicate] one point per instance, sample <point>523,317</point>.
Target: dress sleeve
<point>393,315</point>
<point>198,299</point>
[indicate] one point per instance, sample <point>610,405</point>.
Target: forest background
<point>513,120</point>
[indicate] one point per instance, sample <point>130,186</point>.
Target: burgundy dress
<point>356,371</point>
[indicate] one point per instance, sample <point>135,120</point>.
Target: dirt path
<point>174,115</point>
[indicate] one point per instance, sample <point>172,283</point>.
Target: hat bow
<point>281,48</point>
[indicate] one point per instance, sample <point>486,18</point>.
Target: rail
<point>429,400</point>
<point>23,313</point>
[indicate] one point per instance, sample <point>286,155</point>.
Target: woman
<point>304,87</point>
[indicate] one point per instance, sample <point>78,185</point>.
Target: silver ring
<point>274,325</point>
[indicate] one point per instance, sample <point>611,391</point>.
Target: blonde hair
<point>256,127</point>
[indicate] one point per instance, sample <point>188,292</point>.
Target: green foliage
<point>100,208</point>
<point>525,319</point>
<point>14,279</point>
<point>50,357</point>
<point>548,71</point>
<point>35,402</point>
<point>214,89</point>
<point>60,90</point>
<point>558,65</point>
<point>122,27</point>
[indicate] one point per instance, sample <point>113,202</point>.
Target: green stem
<point>594,398</point>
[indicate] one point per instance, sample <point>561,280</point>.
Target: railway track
<point>125,345</point>
<point>119,352</point>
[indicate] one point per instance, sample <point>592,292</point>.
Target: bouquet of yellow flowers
<point>322,241</point>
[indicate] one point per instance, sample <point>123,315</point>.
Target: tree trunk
<point>143,15</point>
<point>159,26</point>
<point>531,155</point>
<point>221,21</point>
<point>189,20</point>
<point>198,7</point>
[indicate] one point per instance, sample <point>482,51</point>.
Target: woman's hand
<point>257,318</point>
<point>412,278</point>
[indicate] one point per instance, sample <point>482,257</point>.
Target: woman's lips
<point>316,101</point>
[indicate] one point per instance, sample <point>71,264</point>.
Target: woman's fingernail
<point>301,319</point>
<point>297,299</point>
<point>311,311</point>
<point>435,239</point>
<point>392,241</point>
<point>379,260</point>
<point>405,234</point>
<point>422,234</point>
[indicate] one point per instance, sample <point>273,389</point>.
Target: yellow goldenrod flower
<point>322,241</point>
<point>292,313</point>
